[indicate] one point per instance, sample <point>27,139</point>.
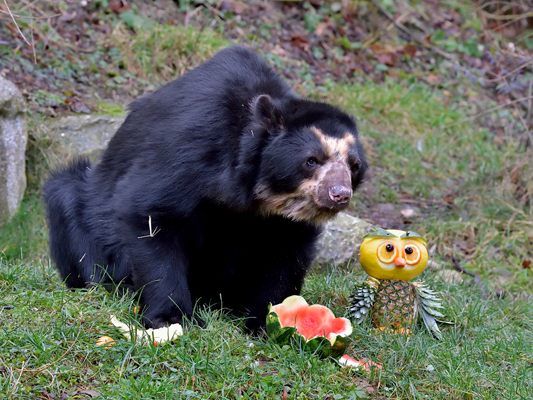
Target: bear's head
<point>312,160</point>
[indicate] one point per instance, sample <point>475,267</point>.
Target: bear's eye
<point>311,163</point>
<point>354,164</point>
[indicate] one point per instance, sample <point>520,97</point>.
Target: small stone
<point>339,243</point>
<point>451,277</point>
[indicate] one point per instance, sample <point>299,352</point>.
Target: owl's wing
<point>428,305</point>
<point>361,301</point>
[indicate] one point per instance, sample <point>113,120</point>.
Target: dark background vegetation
<point>443,94</point>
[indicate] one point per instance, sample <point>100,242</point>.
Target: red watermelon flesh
<point>310,322</point>
<point>319,321</point>
<point>287,310</point>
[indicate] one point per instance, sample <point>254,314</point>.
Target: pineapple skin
<point>395,306</point>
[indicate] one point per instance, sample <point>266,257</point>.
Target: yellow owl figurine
<point>392,258</point>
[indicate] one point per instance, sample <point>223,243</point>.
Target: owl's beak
<point>399,262</point>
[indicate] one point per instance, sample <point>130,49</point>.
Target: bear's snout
<point>340,194</point>
<point>334,188</point>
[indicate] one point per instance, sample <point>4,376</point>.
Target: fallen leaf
<point>433,79</point>
<point>67,17</point>
<point>300,41</point>
<point>106,342</point>
<point>118,6</point>
<point>236,7</point>
<point>89,393</point>
<point>47,396</point>
<point>387,58</point>
<point>321,28</point>
<point>449,198</point>
<point>410,50</point>
<point>408,212</point>
<point>364,364</point>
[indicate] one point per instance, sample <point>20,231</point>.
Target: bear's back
<point>201,114</point>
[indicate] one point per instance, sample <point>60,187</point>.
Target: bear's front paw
<point>160,321</point>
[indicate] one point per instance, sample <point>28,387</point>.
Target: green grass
<point>159,53</point>
<point>48,334</point>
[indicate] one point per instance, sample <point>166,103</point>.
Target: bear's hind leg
<point>71,247</point>
<point>159,267</point>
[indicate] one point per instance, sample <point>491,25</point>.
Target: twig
<point>17,381</point>
<point>474,116</point>
<point>477,280</point>
<point>419,40</point>
<point>32,45</point>
<point>503,17</point>
<point>49,364</point>
<point>16,25</point>
<point>457,266</point>
<point>32,17</point>
<point>529,104</point>
<point>522,121</point>
<point>152,232</point>
<point>500,77</point>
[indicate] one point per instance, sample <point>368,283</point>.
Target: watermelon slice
<point>363,364</point>
<point>314,327</point>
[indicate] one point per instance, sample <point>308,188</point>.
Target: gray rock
<point>78,135</point>
<point>13,139</point>
<point>450,276</point>
<point>340,241</point>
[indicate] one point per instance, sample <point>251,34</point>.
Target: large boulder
<point>13,139</point>
<point>77,135</point>
<point>340,241</point>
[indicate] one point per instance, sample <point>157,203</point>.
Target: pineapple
<point>392,258</point>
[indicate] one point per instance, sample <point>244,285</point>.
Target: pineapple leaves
<point>361,302</point>
<point>428,302</point>
<point>411,234</point>
<point>431,323</point>
<point>378,232</point>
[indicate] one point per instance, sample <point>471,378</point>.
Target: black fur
<point>189,157</point>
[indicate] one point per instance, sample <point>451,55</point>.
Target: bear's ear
<point>266,113</point>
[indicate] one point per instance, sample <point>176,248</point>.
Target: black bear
<point>213,191</point>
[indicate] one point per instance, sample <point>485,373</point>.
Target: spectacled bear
<point>213,191</point>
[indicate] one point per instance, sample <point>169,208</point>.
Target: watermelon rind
<point>319,345</point>
<point>322,346</point>
<point>276,332</point>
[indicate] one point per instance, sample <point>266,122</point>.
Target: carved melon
<point>313,327</point>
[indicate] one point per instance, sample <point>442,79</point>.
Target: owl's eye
<point>412,254</point>
<point>386,252</point>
